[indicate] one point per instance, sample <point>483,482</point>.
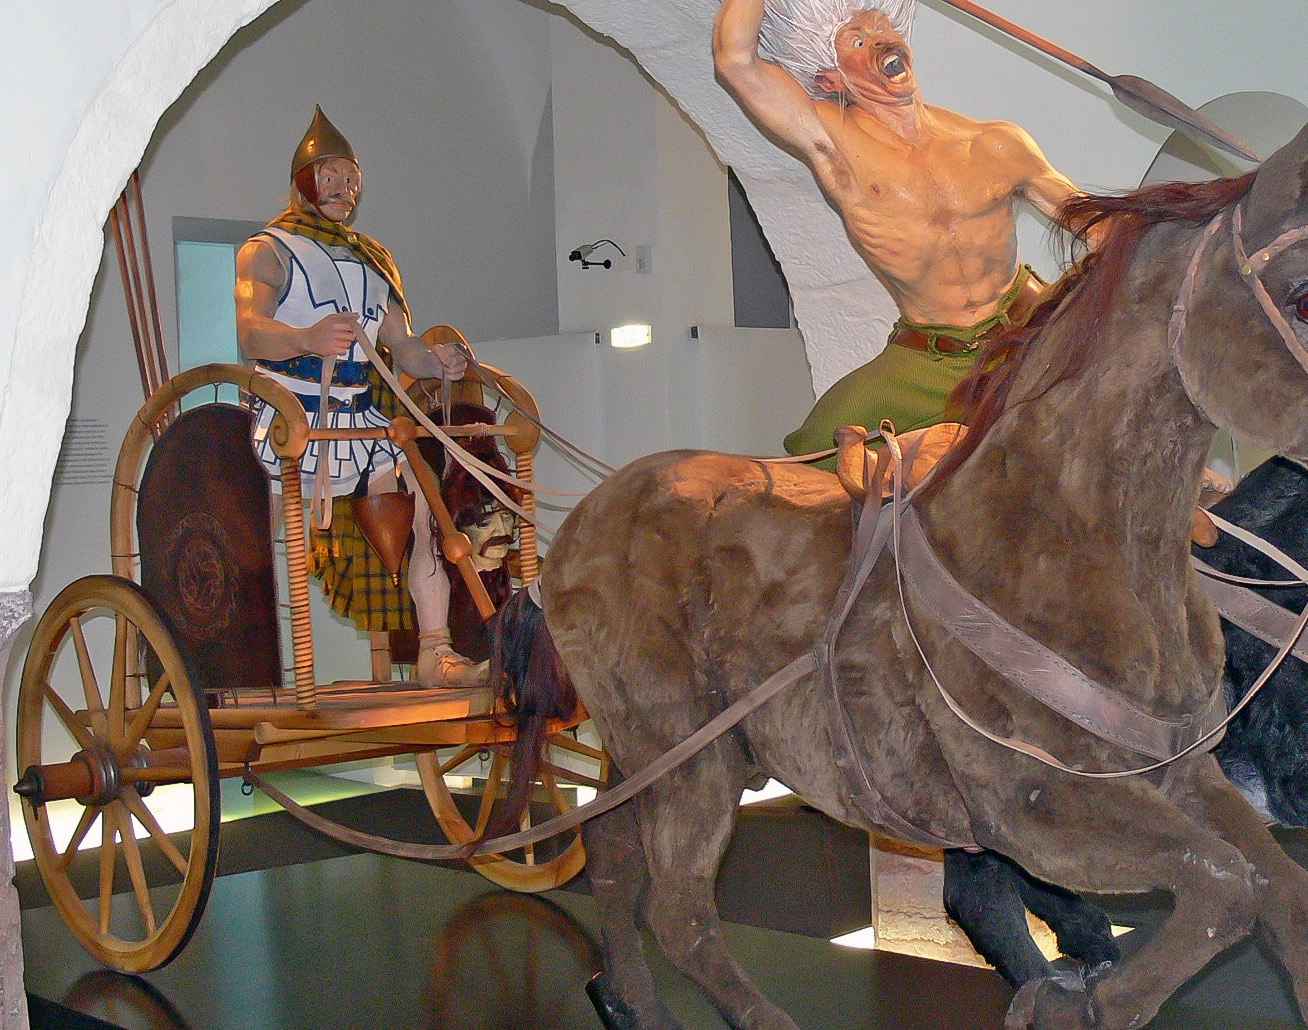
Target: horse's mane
<point>1080,301</point>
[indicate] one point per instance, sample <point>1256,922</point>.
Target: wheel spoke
<point>83,828</point>
<point>572,776</point>
<point>576,747</point>
<point>107,856</point>
<point>94,702</point>
<point>133,663</point>
<point>80,733</point>
<point>136,870</point>
<point>139,809</point>
<point>118,680</point>
<point>524,823</point>
<point>459,759</point>
<point>552,785</point>
<point>489,794</point>
<point>141,721</point>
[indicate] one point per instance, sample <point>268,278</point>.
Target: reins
<point>1248,266</point>
<point>483,472</point>
<point>792,673</point>
<point>871,535</point>
<point>609,799</point>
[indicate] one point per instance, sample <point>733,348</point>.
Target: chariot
<point>167,675</point>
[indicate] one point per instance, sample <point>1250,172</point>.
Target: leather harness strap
<point>871,535</point>
<point>1256,615</point>
<point>609,799</point>
<point>320,506</point>
<point>1251,264</point>
<point>1036,669</point>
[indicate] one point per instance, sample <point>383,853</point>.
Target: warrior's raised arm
<point>770,95</point>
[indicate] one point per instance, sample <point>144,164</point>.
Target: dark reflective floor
<point>364,941</point>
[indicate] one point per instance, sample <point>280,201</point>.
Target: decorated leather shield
<point>202,519</point>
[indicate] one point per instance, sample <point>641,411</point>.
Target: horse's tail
<point>529,678</point>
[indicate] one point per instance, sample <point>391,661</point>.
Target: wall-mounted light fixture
<point>629,337</point>
<point>585,250</point>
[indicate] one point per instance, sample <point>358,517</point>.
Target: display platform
<point>300,931</point>
<point>365,941</point>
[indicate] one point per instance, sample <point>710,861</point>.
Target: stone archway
<point>836,299</point>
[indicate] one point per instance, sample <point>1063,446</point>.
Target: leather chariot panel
<point>203,524</point>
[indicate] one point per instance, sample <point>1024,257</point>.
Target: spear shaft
<point>1140,95</point>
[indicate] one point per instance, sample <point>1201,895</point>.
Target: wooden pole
<point>297,575</point>
<point>455,544</point>
<point>118,214</point>
<point>160,354</point>
<point>528,552</point>
<point>138,285</point>
<point>145,341</point>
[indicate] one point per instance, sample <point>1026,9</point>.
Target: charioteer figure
<point>927,195</point>
<point>307,286</point>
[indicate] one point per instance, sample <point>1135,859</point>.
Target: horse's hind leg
<point>686,821</point>
<point>624,994</point>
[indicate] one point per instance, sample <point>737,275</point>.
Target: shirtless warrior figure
<point>926,195</point>
<point>306,287</point>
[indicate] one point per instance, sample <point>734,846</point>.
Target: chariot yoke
<point>166,676</point>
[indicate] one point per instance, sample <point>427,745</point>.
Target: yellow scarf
<point>324,230</point>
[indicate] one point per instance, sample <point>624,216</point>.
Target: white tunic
<point>321,281</point>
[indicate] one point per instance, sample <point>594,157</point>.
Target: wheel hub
<point>92,777</point>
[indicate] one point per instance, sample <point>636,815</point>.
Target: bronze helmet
<point>321,140</point>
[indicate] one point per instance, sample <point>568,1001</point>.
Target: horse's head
<point>1242,343</point>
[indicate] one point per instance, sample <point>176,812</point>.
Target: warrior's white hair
<point>800,35</point>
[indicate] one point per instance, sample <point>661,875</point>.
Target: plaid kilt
<point>354,580</point>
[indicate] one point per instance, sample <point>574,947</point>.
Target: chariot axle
<point>96,776</point>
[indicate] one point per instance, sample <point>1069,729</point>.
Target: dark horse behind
<point>687,578</point>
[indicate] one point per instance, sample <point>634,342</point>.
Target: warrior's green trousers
<point>909,387</point>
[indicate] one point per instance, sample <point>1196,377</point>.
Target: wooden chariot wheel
<point>533,869</point>
<point>103,664</point>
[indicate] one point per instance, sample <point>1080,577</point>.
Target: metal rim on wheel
<point>107,711</point>
<point>526,874</point>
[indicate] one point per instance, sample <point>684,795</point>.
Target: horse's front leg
<point>1283,914</point>
<point>1111,836</point>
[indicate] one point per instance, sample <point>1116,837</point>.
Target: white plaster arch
<point>841,309</point>
<point>844,313</point>
<point>181,38</point>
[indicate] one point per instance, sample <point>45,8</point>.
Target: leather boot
<point>440,666</point>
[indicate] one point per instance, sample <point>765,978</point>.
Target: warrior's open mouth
<point>504,540</point>
<point>893,62</point>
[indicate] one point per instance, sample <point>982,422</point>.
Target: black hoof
<point>1045,1004</point>
<point>613,1012</point>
